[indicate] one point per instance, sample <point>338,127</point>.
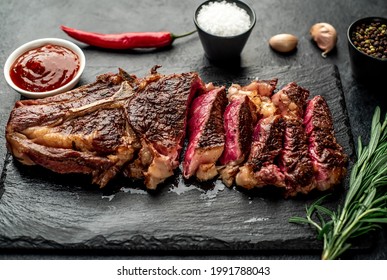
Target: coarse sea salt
<point>223,19</point>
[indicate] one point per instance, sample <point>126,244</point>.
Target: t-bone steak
<point>100,128</point>
<point>250,135</point>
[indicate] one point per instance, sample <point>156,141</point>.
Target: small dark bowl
<point>366,68</point>
<point>225,47</point>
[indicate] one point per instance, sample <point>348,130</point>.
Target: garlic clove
<point>325,36</point>
<point>283,42</point>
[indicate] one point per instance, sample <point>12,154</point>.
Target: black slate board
<point>43,210</point>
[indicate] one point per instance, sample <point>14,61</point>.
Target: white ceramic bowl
<point>38,43</point>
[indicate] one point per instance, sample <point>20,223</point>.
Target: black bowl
<point>366,68</point>
<point>225,47</point>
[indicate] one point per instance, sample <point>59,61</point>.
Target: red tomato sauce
<point>44,68</point>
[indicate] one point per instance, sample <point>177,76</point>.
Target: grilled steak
<point>260,169</point>
<point>83,131</point>
<point>291,100</point>
<point>239,119</point>
<point>328,159</point>
<point>259,92</point>
<point>122,123</point>
<point>206,135</point>
<point>272,158</point>
<point>99,128</point>
<point>294,160</point>
<point>158,115</point>
<point>294,148</point>
<point>28,113</point>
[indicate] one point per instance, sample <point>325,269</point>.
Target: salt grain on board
<point>223,19</point>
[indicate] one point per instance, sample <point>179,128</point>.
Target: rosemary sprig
<point>365,204</point>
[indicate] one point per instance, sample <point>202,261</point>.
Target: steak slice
<point>158,114</point>
<point>259,92</point>
<point>294,160</point>
<point>275,149</point>
<point>239,119</point>
<point>291,100</point>
<point>328,159</point>
<point>85,130</point>
<point>261,169</point>
<point>206,135</point>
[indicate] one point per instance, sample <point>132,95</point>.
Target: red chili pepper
<point>122,41</point>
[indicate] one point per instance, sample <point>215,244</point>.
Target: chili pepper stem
<point>174,37</point>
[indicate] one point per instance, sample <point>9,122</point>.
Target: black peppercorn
<point>371,39</point>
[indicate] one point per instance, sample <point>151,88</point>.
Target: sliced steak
<point>261,169</point>
<point>158,114</point>
<point>264,87</point>
<point>138,126</point>
<point>206,135</point>
<point>239,119</point>
<point>279,154</point>
<point>259,92</point>
<point>255,88</point>
<point>328,159</point>
<point>294,160</point>
<point>291,100</point>
<point>88,133</point>
<point>100,128</point>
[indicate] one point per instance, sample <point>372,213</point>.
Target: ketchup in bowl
<point>45,68</point>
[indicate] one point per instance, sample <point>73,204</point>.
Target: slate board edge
<point>141,243</point>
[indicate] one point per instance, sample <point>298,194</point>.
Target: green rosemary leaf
<point>320,218</point>
<point>375,119</point>
<point>382,200</point>
<point>375,220</point>
<point>311,209</point>
<point>370,197</point>
<point>374,212</point>
<point>374,141</point>
<point>365,204</point>
<point>380,164</point>
<point>324,210</point>
<point>364,230</point>
<point>353,190</point>
<point>325,229</point>
<point>359,146</point>
<point>299,220</point>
